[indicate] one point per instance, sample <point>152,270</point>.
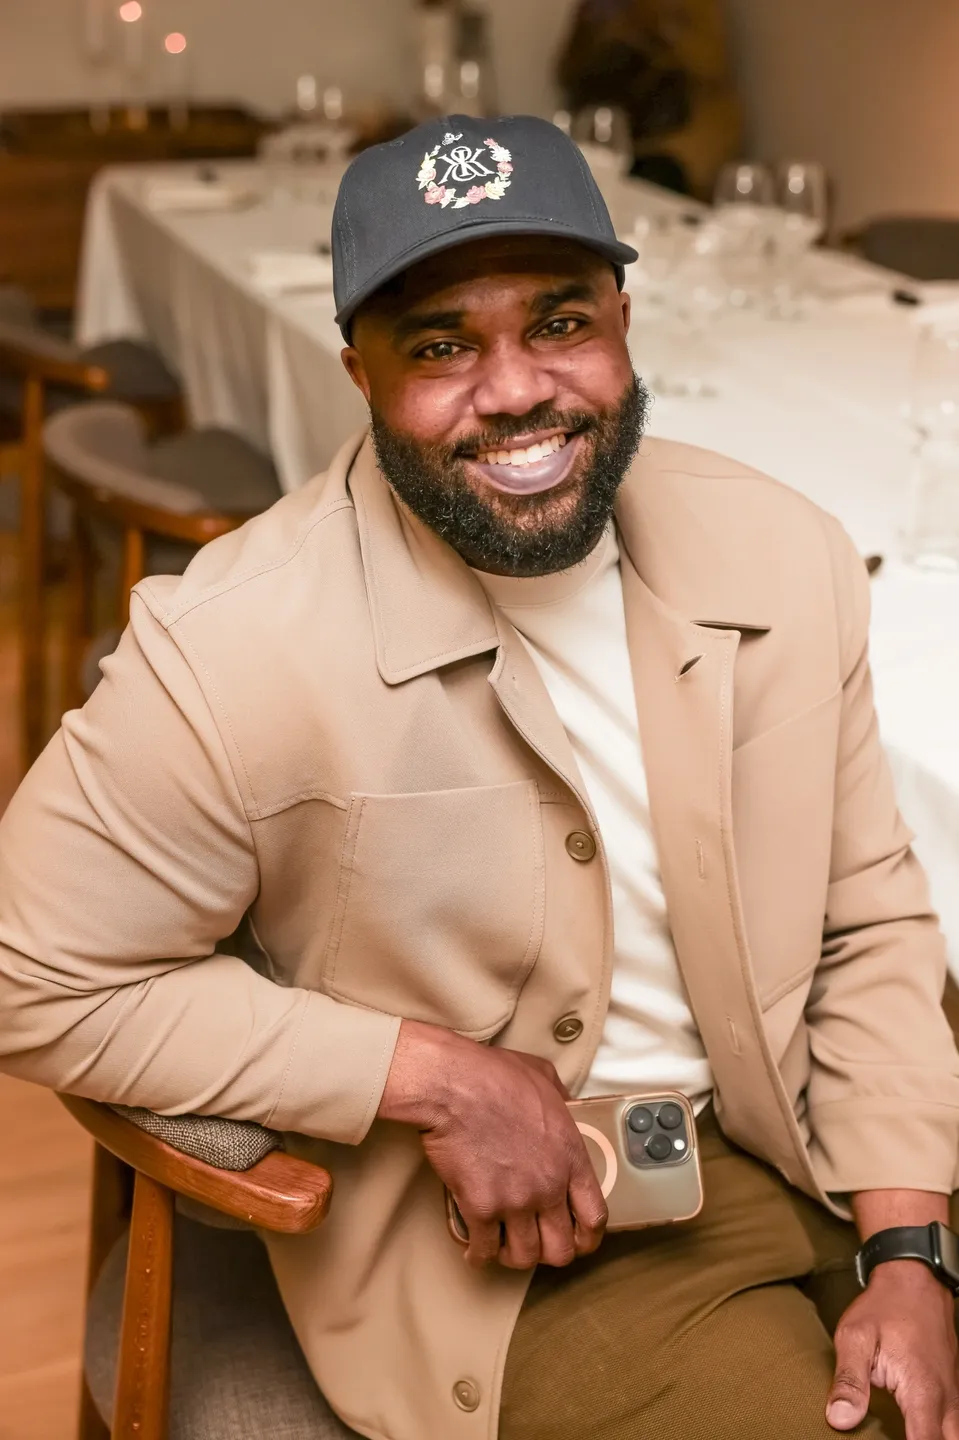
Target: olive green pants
<point>714,1330</point>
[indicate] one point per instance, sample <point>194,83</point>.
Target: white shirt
<point>574,627</point>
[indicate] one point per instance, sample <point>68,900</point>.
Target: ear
<point>353,364</point>
<point>626,305</point>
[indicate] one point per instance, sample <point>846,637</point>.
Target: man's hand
<point>496,1130</point>
<point>899,1335</point>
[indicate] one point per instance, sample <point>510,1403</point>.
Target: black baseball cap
<point>458,179</point>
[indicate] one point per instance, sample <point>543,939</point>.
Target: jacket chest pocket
<point>439,906</point>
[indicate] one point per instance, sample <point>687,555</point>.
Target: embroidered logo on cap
<point>485,168</point>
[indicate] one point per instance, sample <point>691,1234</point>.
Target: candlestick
<point>131,12</point>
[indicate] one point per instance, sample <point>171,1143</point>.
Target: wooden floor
<point>44,1183</point>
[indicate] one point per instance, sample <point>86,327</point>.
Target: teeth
<point>519,458</point>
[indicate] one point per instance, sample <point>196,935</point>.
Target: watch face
<point>946,1243</point>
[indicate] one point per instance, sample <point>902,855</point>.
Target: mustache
<point>541,417</point>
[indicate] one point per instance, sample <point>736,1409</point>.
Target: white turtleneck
<point>574,627</point>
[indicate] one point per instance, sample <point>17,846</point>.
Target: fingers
<point>558,1243</point>
<point>484,1242</point>
<point>522,1248</point>
<point>950,1420</point>
<point>849,1397</point>
<point>587,1206</point>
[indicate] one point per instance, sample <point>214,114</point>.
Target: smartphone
<point>646,1157</point>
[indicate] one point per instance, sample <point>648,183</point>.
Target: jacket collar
<point>429,610</point>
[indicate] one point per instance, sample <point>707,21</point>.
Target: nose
<point>513,381</point>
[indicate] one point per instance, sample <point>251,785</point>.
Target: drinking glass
<point>933,406</point>
<point>603,134</point>
<point>742,198</point>
<point>796,223</point>
<point>743,183</point>
<point>930,538</point>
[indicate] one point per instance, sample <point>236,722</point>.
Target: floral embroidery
<point>462,162</point>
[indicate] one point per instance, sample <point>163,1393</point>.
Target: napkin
<point>277,271</point>
<point>186,194</point>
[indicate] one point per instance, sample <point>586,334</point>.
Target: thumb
<point>849,1397</point>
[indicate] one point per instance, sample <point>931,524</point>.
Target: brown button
<point>466,1394</point>
<point>567,1029</point>
<point>581,845</point>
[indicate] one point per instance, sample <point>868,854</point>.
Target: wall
<point>253,49</point>
<point>866,86</point>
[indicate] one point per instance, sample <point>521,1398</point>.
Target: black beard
<point>517,535</point>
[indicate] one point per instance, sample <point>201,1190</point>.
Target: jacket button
<point>581,845</point>
<point>466,1394</point>
<point>567,1029</point>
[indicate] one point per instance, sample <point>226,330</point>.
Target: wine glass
<point>798,221</point>
<point>739,225</point>
<point>933,408</point>
<point>743,183</point>
<point>604,135</point>
<point>930,538</point>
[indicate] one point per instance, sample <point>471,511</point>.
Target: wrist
<point>421,1078</point>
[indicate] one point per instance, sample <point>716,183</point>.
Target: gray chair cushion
<point>136,370</point>
<point>925,247</point>
<point>16,306</point>
<point>225,469</point>
<point>237,1371</point>
<point>225,1144</point>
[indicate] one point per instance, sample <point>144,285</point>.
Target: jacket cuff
<point>885,1143</point>
<point>336,1071</point>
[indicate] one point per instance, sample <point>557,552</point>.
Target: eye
<point>560,327</point>
<point>439,350</point>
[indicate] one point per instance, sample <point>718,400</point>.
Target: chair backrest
<point>99,458</point>
<point>924,247</point>
<point>27,350</point>
<point>97,455</point>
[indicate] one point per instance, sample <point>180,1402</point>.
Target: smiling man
<point>510,759</point>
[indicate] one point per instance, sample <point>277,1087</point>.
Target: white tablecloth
<point>814,402</point>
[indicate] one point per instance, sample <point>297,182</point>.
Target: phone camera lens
<point>670,1116</point>
<point>640,1120</point>
<point>659,1147</point>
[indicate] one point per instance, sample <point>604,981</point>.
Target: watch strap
<point>933,1244</point>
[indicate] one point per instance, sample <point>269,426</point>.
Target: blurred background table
<point>48,159</point>
<point>815,403</point>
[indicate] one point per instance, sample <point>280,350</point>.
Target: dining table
<point>232,282</point>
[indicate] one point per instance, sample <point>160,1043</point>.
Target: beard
<point>523,535</point>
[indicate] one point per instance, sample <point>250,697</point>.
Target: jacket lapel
<point>683,674</point>
<point>428,610</point>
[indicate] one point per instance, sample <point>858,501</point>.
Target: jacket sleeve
<point>883,1092</point>
<point>125,859</point>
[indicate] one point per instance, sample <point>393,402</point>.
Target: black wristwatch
<point>935,1245</point>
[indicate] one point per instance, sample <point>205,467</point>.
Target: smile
<point>523,468</point>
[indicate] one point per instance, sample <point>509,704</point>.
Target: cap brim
<point>614,251</point>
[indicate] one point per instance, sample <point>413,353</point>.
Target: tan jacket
<point>323,728</point>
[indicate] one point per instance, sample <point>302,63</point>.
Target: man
<point>496,733</point>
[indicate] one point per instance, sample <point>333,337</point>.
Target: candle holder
<point>133,52</point>
<point>177,66</point>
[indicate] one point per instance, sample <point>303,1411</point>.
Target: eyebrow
<point>553,299</point>
<point>548,300</point>
<point>418,321</point>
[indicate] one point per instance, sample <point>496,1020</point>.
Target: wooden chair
<point>50,371</point>
<point>136,1178</point>
<point>97,456</point>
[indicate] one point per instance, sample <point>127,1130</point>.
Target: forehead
<point>463,277</point>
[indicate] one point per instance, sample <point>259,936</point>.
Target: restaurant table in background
<point>815,403</point>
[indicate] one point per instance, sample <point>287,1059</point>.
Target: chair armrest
<point>279,1193</point>
<point>28,350</point>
